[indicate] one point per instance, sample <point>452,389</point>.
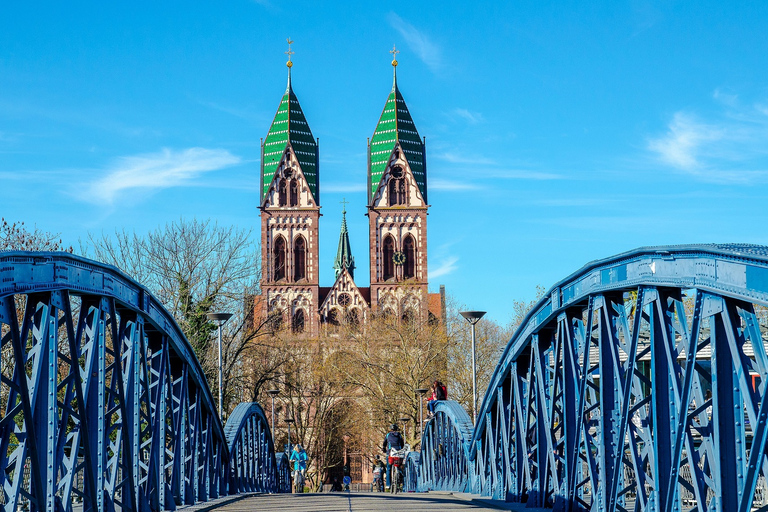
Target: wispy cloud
<point>442,184</point>
<point>576,202</point>
<point>493,170</point>
<point>683,142</point>
<point>524,174</point>
<point>98,117</point>
<point>154,171</point>
<point>456,158</point>
<point>466,115</point>
<point>243,113</point>
<point>729,147</point>
<point>447,266</point>
<point>342,187</point>
<point>418,42</point>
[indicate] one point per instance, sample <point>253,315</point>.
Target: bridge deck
<point>358,502</point>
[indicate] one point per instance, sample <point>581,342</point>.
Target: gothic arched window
<point>352,317</point>
<point>387,256</point>
<point>278,259</point>
<point>294,193</point>
<point>396,191</point>
<point>299,259</point>
<point>298,321</point>
<point>282,193</point>
<point>409,248</point>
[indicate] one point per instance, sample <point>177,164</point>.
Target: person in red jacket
<point>439,392</point>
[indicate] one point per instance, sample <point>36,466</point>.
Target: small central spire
<point>394,51</point>
<point>344,259</point>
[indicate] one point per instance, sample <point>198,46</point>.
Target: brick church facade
<point>397,212</point>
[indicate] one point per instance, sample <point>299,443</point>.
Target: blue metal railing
<point>103,402</point>
<point>637,383</point>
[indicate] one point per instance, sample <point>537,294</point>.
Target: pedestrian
<point>439,392</point>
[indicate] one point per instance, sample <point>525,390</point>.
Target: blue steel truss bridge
<point>637,383</point>
<point>103,403</point>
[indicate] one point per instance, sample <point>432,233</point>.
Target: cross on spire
<point>394,51</point>
<point>344,202</point>
<point>289,53</point>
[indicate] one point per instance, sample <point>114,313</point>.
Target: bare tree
<point>16,237</point>
<point>321,403</point>
<point>490,340</point>
<point>387,360</point>
<point>194,268</point>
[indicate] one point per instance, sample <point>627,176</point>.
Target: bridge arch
<point>638,382</point>
<point>102,397</point>
<point>252,463</point>
<point>443,462</point>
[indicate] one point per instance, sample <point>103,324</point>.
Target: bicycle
<point>298,481</point>
<point>378,479</point>
<point>396,459</point>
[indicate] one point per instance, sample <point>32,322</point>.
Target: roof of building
<point>396,125</point>
<point>435,305</point>
<point>290,127</point>
<point>344,259</point>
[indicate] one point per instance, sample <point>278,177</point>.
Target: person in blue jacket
<point>299,459</point>
<point>394,440</point>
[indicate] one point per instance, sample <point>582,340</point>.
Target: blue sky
<point>557,132</point>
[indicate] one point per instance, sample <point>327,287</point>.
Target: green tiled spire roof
<point>344,259</point>
<point>395,124</point>
<point>290,126</point>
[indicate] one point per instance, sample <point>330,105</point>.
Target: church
<point>397,213</point>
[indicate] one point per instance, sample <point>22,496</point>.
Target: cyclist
<point>392,440</point>
<point>299,459</point>
<point>379,468</point>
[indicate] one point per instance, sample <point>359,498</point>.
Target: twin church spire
<point>290,129</point>
<point>290,214</point>
<point>395,126</point>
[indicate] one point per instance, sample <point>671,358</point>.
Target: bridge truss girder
<point>638,383</point>
<point>102,400</point>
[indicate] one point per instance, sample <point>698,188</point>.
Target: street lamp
<point>289,421</point>
<point>405,421</point>
<point>421,392</point>
<point>473,317</point>
<point>273,393</point>
<point>220,318</point>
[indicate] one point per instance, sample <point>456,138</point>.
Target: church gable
<point>344,297</point>
<point>289,187</point>
<point>398,186</point>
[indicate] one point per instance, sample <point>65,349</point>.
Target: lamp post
<point>421,392</point>
<point>405,421</point>
<point>473,317</point>
<point>273,393</point>
<point>220,318</point>
<point>289,421</point>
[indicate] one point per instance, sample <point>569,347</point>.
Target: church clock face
<point>344,299</point>
<point>398,258</point>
